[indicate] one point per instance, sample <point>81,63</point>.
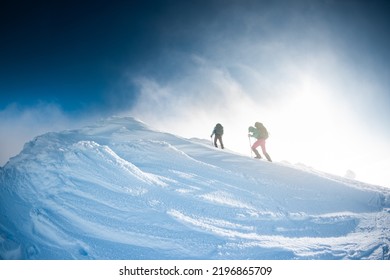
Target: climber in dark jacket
<point>218,132</point>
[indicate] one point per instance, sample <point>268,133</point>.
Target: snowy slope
<point>120,190</point>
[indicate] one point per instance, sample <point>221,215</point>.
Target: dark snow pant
<point>219,138</point>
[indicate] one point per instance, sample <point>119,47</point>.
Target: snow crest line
<point>108,155</point>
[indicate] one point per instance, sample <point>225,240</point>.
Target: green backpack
<point>263,131</point>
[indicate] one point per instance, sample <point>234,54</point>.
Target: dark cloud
<point>77,53</point>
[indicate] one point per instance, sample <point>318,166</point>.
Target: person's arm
<point>251,131</point>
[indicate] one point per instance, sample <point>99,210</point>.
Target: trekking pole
<point>250,145</point>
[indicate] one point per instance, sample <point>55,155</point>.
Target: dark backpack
<point>219,129</point>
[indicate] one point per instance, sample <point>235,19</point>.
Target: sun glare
<point>307,127</point>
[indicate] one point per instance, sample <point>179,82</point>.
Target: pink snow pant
<point>260,142</point>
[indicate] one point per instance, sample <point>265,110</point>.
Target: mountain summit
<point>121,190</point>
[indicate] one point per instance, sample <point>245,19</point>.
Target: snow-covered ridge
<point>121,190</point>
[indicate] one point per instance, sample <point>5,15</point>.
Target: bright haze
<point>316,73</point>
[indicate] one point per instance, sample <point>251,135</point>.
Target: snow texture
<point>121,190</point>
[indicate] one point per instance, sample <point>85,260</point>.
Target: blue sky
<point>316,72</point>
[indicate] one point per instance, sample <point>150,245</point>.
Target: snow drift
<point>121,190</point>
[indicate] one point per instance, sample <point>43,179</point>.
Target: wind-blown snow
<point>120,190</point>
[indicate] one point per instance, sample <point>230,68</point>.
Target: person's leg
<point>220,141</point>
<point>254,146</point>
<point>264,150</point>
<point>268,157</point>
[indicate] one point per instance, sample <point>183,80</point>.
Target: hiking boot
<point>268,157</point>
<point>256,153</point>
